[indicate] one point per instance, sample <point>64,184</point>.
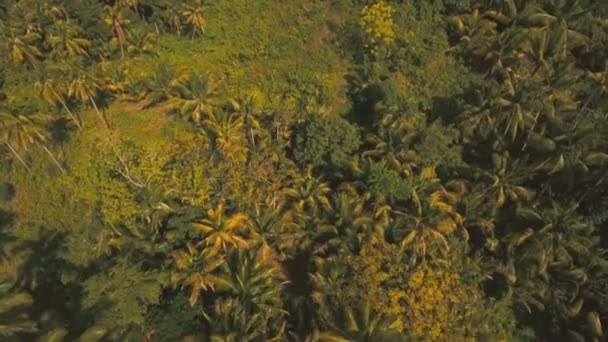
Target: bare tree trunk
<point>53,158</point>
<point>18,156</point>
<point>252,136</point>
<point>126,173</point>
<point>72,115</point>
<point>120,34</point>
<point>99,114</point>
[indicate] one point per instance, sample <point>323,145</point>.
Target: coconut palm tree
<point>171,14</point>
<point>308,193</point>
<point>157,87</point>
<point>195,17</point>
<point>392,139</point>
<point>55,93</point>
<point>430,217</point>
<point>85,88</point>
<point>267,228</point>
<point>195,269</point>
<point>195,95</point>
<point>65,39</point>
<point>93,333</point>
<point>221,230</point>
<point>22,46</point>
<point>361,324</point>
<point>555,262</point>
<point>140,42</point>
<point>246,107</point>
<point>115,18</point>
<point>353,224</point>
<point>249,305</point>
<point>20,131</point>
<point>13,305</point>
<point>226,132</point>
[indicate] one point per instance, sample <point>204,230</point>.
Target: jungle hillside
<point>303,170</point>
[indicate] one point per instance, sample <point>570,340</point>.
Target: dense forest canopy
<point>340,170</point>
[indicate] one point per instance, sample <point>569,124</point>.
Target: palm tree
<point>22,47</point>
<point>13,305</point>
<point>395,133</point>
<point>194,95</point>
<point>361,324</point>
<point>308,192</point>
<point>171,14</point>
<point>266,227</point>
<point>65,41</point>
<point>11,136</point>
<point>116,20</point>
<point>55,93</point>
<point>194,15</point>
<point>221,230</point>
<point>226,131</point>
<point>505,181</point>
<point>19,132</point>
<point>157,87</point>
<point>115,78</point>
<point>85,89</point>
<point>249,299</point>
<point>353,225</point>
<point>249,112</point>
<point>140,41</point>
<point>555,261</point>
<point>195,268</point>
<point>93,333</point>
<point>430,217</point>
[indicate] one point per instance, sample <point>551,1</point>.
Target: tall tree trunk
<point>53,158</point>
<point>120,34</point>
<point>72,115</point>
<point>10,147</point>
<point>99,114</point>
<point>252,136</point>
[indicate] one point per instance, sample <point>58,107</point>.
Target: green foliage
<point>326,140</point>
<point>122,295</point>
<point>438,145</point>
<point>14,304</point>
<point>387,182</point>
<point>173,318</point>
<point>6,192</point>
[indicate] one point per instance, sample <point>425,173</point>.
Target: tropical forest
<point>303,170</point>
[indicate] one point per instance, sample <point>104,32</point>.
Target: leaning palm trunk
<point>99,114</point>
<point>73,116</point>
<point>251,136</point>
<point>120,34</point>
<point>16,154</point>
<point>53,158</point>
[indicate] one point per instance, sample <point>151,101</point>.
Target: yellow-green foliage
<point>427,302</point>
<point>239,48</point>
<point>377,25</point>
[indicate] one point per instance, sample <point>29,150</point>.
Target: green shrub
<point>326,140</point>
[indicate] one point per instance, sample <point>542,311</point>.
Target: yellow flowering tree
<point>431,301</point>
<point>377,25</point>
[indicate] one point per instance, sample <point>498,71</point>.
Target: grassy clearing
<point>287,48</point>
